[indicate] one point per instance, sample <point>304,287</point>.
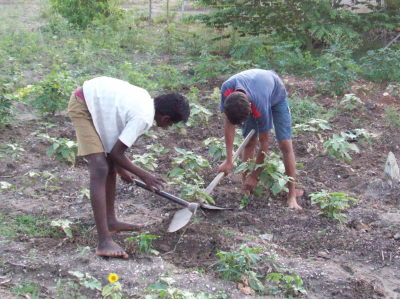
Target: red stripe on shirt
<point>254,111</point>
<point>228,92</point>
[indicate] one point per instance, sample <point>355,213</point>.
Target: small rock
<point>392,169</point>
<point>323,254</point>
<point>396,236</point>
<point>267,237</point>
<point>385,94</point>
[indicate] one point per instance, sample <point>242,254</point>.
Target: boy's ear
<point>165,121</point>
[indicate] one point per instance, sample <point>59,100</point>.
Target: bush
<point>52,94</point>
<point>381,65</point>
<point>6,100</point>
<point>82,13</point>
<point>305,109</point>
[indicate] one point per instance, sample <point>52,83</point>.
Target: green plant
<point>199,115</point>
<point>194,192</point>
<point>52,94</point>
<point>113,290</point>
<point>63,149</point>
<point>11,151</point>
<point>216,148</point>
<point>332,204</point>
<point>286,284</point>
<point>144,242</point>
<point>392,116</point>
<point>146,160</point>
<point>313,125</point>
<point>157,149</point>
<point>87,280</point>
<point>190,161</point>
<point>232,265</point>
<point>27,289</point>
<point>83,13</point>
<point>381,65</point>
<point>305,109</point>
<point>350,101</point>
<point>5,185</point>
<point>272,176</point>
<point>64,224</point>
<point>244,202</point>
<point>338,146</point>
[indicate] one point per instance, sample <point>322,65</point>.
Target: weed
<point>392,117</point>
<point>286,284</point>
<point>113,290</point>
<point>144,242</point>
<point>27,289</point>
<point>244,202</point>
<point>87,280</point>
<point>190,161</point>
<point>350,102</point>
<point>199,115</point>
<point>332,204</point>
<point>381,65</point>
<point>5,185</point>
<point>157,149</point>
<point>63,149</point>
<point>338,146</point>
<point>11,151</point>
<point>313,125</point>
<point>305,109</point>
<point>232,265</point>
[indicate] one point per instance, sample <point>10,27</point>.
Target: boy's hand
<point>125,175</point>
<point>155,183</point>
<point>225,167</point>
<point>250,183</point>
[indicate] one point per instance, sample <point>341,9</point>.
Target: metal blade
<point>180,219</point>
<point>211,207</point>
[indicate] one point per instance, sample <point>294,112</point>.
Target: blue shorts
<point>281,118</point>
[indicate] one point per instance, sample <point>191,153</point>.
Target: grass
<point>26,225</point>
<point>26,289</point>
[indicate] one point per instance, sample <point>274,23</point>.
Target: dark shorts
<point>281,118</point>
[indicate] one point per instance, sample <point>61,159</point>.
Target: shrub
<point>305,109</point>
<point>63,149</point>
<point>339,147</point>
<point>392,117</point>
<point>53,93</point>
<point>381,65</point>
<point>82,13</point>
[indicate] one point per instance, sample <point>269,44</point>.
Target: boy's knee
<point>285,146</point>
<point>98,167</point>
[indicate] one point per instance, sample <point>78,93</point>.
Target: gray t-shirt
<point>264,89</point>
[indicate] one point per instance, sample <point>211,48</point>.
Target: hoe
<point>183,216</point>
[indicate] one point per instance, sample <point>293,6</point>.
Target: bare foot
<point>292,202</point>
<point>110,249</point>
<point>117,226</point>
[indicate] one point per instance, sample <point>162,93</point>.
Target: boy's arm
<point>117,155</point>
<point>229,131</point>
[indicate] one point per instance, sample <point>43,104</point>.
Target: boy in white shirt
<point>108,116</point>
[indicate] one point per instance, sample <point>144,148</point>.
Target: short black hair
<point>237,108</point>
<point>175,105</point>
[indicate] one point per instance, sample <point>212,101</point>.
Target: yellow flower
<point>112,277</point>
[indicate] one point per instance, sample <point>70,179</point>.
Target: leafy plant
<point>144,242</point>
<point>381,65</point>
<point>350,101</point>
<point>194,192</point>
<point>146,160</point>
<point>216,148</point>
<point>286,284</point>
<point>272,176</point>
<point>313,125</point>
<point>305,109</point>
<point>52,94</point>
<point>157,149</point>
<point>190,161</point>
<point>338,146</point>
<point>87,280</point>
<point>11,151</point>
<point>64,224</point>
<point>332,204</point>
<point>113,290</point>
<point>232,265</point>
<point>83,13</point>
<point>63,149</point>
<point>199,115</point>
<point>27,289</point>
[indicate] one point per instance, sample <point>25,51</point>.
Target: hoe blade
<point>180,219</point>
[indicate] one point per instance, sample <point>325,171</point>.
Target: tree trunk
<point>150,9</point>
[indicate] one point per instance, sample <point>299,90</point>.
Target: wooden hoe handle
<point>220,175</point>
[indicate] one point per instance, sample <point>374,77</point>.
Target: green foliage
<point>63,149</point>
<point>381,65</point>
<point>87,280</point>
<point>199,115</point>
<point>82,13</point>
<point>216,148</point>
<point>332,204</point>
<point>27,289</point>
<point>208,66</point>
<point>350,101</point>
<point>144,242</point>
<point>305,109</point>
<point>53,92</point>
<point>64,224</point>
<point>335,71</point>
<point>339,147</point>
<point>146,160</point>
<point>232,265</point>
<point>190,161</point>
<point>286,284</point>
<point>272,176</point>
<point>392,116</point>
<point>11,151</point>
<point>112,291</point>
<point>194,192</point>
<point>313,125</point>
<point>6,101</point>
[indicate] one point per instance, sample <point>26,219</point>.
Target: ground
<point>359,259</point>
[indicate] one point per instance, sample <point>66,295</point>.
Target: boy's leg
<point>249,149</point>
<point>98,168</point>
<point>283,130</point>
<point>113,224</point>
